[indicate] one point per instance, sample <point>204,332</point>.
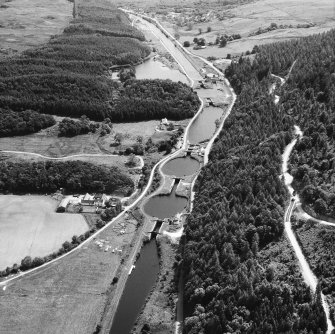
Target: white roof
<point>88,197</point>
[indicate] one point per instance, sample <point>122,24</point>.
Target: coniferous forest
<point>69,76</point>
<point>238,216</point>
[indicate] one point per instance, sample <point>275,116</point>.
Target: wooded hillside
<point>230,285</point>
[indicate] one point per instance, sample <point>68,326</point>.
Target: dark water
<point>152,69</point>
<point>138,285</point>
<point>165,206</point>
<point>181,166</point>
<point>204,126</point>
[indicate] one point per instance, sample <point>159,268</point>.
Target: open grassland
<point>248,18</point>
<point>69,296</point>
<point>28,23</point>
<point>47,142</point>
<point>52,146</point>
<point>244,18</point>
<point>29,226</point>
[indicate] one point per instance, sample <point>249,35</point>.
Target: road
<point>308,275</point>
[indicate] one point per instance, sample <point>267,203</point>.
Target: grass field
<point>249,18</point>
<point>242,19</point>
<point>28,23</point>
<point>46,142</point>
<point>30,226</point>
<point>68,296</point>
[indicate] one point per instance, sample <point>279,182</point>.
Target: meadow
<point>31,227</point>
<point>28,23</point>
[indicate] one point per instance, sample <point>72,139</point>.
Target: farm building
<point>63,205</point>
<point>88,200</point>
<point>100,199</point>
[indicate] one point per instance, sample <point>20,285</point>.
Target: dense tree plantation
<point>73,176</point>
<point>67,76</point>
<point>21,123</point>
<point>100,17</point>
<point>240,199</point>
<point>155,99</point>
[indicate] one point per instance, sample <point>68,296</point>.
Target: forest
<point>69,127</point>
<point>22,123</point>
<point>69,75</point>
<point>240,199</point>
<point>154,99</point>
<point>318,242</point>
<point>74,176</point>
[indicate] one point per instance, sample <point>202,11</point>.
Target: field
<point>68,296</point>
<point>247,19</point>
<point>28,23</point>
<point>243,19</point>
<point>30,226</point>
<point>46,142</point>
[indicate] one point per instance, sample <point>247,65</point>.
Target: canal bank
<point>184,168</point>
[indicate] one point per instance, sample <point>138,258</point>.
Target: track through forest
<point>308,275</point>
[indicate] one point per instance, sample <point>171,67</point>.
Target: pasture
<point>30,226</point>
<point>28,23</point>
<point>244,19</point>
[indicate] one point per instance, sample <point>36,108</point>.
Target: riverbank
<point>159,311</point>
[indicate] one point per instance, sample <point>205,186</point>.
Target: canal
<point>155,69</point>
<point>181,167</point>
<point>146,271</point>
<point>137,288</point>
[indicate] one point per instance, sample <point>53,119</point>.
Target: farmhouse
<point>100,200</point>
<point>87,199</point>
<point>164,121</point>
<point>211,76</point>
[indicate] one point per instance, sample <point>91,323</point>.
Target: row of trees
<point>73,176</point>
<point>240,199</point>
